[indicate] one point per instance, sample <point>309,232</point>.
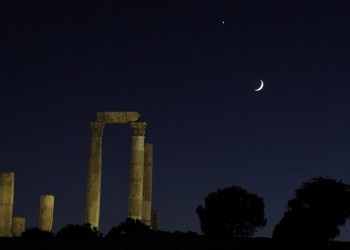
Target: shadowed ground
<point>164,240</point>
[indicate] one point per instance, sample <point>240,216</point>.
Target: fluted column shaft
<point>7,181</point>
<point>47,203</point>
<point>147,185</point>
<point>94,175</point>
<point>136,170</point>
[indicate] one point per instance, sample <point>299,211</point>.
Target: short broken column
<point>154,220</point>
<point>7,181</point>
<point>46,212</point>
<point>147,185</point>
<point>136,170</point>
<point>93,195</point>
<point>18,226</point>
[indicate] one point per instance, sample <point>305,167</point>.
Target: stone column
<point>46,212</point>
<point>147,185</point>
<point>7,181</point>
<point>18,226</point>
<point>154,220</point>
<point>93,193</point>
<point>136,170</point>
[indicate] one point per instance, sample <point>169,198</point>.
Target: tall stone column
<point>136,170</point>
<point>7,182</point>
<point>46,212</point>
<point>18,226</point>
<point>147,185</point>
<point>93,193</point>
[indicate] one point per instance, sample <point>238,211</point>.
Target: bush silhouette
<point>78,231</point>
<point>320,206</point>
<point>129,227</point>
<point>231,212</point>
<point>36,233</point>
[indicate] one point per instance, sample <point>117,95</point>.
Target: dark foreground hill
<point>163,240</point>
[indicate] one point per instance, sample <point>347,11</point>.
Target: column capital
<point>138,128</point>
<point>97,128</point>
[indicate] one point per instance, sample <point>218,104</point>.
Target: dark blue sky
<point>191,77</point>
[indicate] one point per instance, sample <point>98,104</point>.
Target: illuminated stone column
<point>136,170</point>
<point>147,185</point>
<point>93,193</point>
<point>18,226</point>
<point>47,203</point>
<point>7,182</point>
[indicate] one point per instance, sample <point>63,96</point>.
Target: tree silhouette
<point>231,212</point>
<point>320,206</point>
<point>78,231</point>
<point>129,226</point>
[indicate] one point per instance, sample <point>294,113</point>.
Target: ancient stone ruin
<point>140,190</point>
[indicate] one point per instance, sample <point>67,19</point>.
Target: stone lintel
<point>117,117</point>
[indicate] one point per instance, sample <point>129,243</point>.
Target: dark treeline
<point>229,219</point>
<point>164,240</point>
<point>319,208</point>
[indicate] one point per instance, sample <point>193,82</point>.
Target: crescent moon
<point>261,86</point>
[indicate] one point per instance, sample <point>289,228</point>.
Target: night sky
<point>190,69</point>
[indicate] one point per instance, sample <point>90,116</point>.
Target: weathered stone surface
<point>46,212</point>
<point>136,171</point>
<point>7,182</point>
<point>117,117</point>
<point>93,194</point>
<point>137,167</point>
<point>147,185</point>
<point>97,128</point>
<point>138,128</point>
<point>18,226</point>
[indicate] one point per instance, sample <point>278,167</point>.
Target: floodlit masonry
<point>147,185</point>
<point>15,226</point>
<point>139,187</point>
<point>46,212</point>
<point>136,171</point>
<point>7,181</point>
<point>18,226</point>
